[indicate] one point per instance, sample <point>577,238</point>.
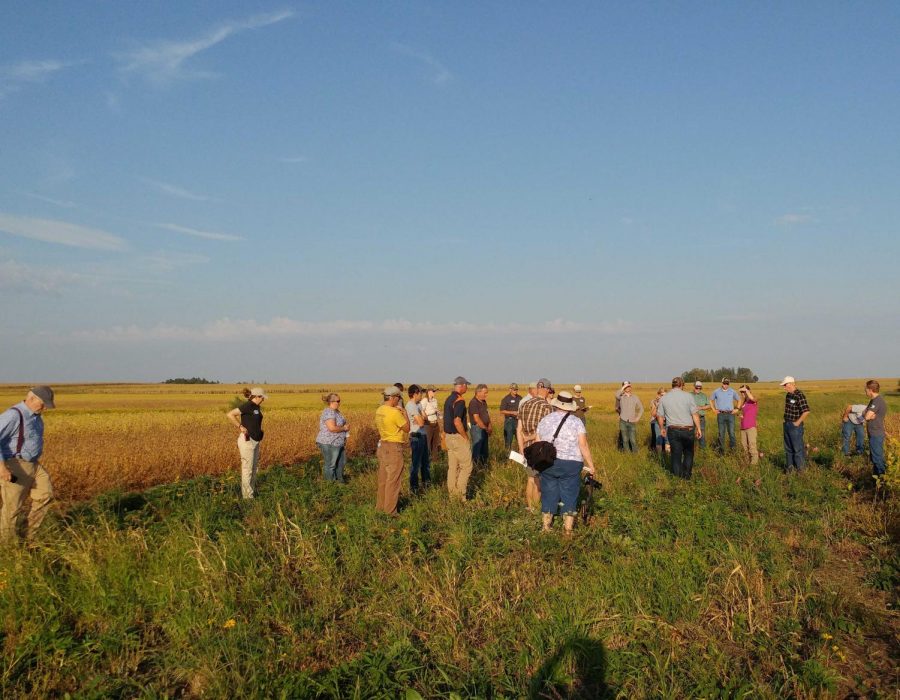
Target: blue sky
<point>377,191</point>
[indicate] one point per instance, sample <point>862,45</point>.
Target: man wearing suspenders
<point>21,474</point>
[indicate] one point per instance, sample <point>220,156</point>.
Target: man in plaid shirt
<point>530,414</point>
<point>796,409</point>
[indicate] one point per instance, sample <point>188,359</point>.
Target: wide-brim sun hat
<point>564,401</point>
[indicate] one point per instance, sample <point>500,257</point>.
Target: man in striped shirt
<point>530,414</point>
<point>796,409</point>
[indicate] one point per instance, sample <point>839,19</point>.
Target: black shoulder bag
<point>542,454</point>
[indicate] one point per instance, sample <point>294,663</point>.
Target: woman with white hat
<point>248,419</point>
<point>561,482</point>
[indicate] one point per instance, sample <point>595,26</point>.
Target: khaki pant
<point>31,479</point>
<point>748,443</point>
<point>459,465</point>
<point>390,476</point>
<point>249,450</point>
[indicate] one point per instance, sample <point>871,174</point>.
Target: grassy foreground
<point>741,582</point>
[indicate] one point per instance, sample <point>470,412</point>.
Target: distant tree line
<point>735,374</point>
<point>192,380</point>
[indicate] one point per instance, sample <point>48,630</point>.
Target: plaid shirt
<point>531,412</point>
<point>794,405</point>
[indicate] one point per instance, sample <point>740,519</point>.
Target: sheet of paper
<point>516,457</point>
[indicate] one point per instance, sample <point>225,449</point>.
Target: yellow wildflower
<point>229,624</point>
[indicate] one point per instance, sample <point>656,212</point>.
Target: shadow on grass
<point>576,670</point>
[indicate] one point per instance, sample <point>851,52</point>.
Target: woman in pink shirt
<point>748,407</point>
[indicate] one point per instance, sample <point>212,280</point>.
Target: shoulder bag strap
<point>559,427</point>
<point>21,439</point>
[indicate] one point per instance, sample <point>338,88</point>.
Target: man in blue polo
<point>21,473</point>
<point>724,400</point>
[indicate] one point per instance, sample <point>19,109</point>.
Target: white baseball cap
<point>625,385</point>
<point>788,380</point>
<point>577,388</point>
<point>698,384</point>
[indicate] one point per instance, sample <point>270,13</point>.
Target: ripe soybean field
<point>153,579</point>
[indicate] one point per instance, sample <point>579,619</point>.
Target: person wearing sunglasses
<point>332,438</point>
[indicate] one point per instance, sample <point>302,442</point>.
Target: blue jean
<point>479,438</point>
<point>794,449</point>
<point>702,430</point>
<point>876,453</point>
<point>561,482</point>
<point>659,442</point>
<point>726,423</point>
<point>333,460</point>
<point>629,435</point>
<point>848,429</point>
<point>509,431</point>
<point>421,460</point>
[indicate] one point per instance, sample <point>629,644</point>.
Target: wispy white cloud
<point>18,277</point>
<point>165,61</point>
<point>794,219</point>
<point>65,204</point>
<point>176,191</point>
<point>209,235</point>
<point>14,75</point>
<point>236,329</point>
<point>166,261</point>
<point>62,232</point>
<point>439,72</point>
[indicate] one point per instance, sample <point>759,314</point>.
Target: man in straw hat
<point>21,474</point>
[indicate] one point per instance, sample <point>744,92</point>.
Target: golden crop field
<point>132,436</point>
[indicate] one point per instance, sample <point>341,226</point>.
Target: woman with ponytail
<point>248,419</point>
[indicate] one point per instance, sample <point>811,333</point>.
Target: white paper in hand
<point>516,457</point>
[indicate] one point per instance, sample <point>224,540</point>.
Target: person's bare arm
<point>846,416</point>
<point>697,432</point>
<point>460,428</point>
<point>586,453</point>
<point>234,415</point>
<point>332,426</point>
<point>520,437</point>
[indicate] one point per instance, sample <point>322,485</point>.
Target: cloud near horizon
<point>236,329</point>
<point>61,232</point>
<point>162,62</point>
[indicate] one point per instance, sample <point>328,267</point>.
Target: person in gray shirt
<point>630,411</point>
<point>874,417</point>
<point>678,420</point>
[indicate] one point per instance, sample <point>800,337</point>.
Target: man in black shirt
<point>796,409</point>
<point>509,409</point>
<point>456,435</point>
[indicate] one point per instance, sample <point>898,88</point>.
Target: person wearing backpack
<point>561,481</point>
<point>21,473</point>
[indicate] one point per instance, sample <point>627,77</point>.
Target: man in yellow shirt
<point>393,427</point>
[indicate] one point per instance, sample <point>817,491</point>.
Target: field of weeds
<point>741,582</point>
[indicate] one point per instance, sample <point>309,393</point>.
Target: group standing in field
<point>540,422</point>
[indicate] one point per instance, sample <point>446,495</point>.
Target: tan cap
<point>788,380</point>
<point>577,388</point>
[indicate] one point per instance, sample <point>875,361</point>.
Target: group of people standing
<point>678,422</point>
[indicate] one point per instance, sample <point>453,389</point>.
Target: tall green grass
<point>741,582</point>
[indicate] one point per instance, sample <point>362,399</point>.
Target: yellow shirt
<point>390,423</point>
